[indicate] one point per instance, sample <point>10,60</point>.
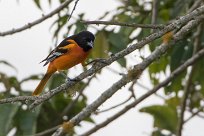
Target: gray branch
<point>174,74</point>
<point>43,18</point>
<point>151,26</point>
<point>174,25</point>
<point>132,74</point>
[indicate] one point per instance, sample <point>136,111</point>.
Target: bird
<point>71,51</point>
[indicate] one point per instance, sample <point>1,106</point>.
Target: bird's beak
<point>90,44</point>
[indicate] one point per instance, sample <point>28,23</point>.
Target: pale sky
<point>26,49</point>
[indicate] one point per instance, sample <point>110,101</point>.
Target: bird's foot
<point>71,79</point>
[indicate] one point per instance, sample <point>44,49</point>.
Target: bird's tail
<point>42,83</point>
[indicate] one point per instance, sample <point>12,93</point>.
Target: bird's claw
<point>71,79</point>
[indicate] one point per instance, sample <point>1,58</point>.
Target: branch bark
<point>151,26</point>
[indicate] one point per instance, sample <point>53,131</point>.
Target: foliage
<point>110,40</point>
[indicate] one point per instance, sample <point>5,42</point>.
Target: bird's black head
<point>85,40</point>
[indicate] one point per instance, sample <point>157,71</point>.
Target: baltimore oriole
<point>70,52</point>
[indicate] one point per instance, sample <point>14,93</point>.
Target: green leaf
<point>7,112</point>
<point>173,101</point>
<point>165,117</point>
<point>14,82</point>
<point>37,2</point>
<point>164,14</point>
<point>176,84</point>
<point>60,23</point>
<point>79,27</point>
<point>197,78</point>
<point>26,121</point>
<point>180,54</point>
<point>8,64</point>
<point>56,80</point>
<point>117,43</point>
<point>101,46</point>
<point>159,65</point>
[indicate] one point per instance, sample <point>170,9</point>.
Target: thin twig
<point>194,114</point>
<point>151,26</point>
<point>43,18</point>
<point>195,5</point>
<point>48,131</point>
<point>154,11</point>
<point>131,88</point>
<point>155,4</point>
<point>73,10</point>
<point>143,86</point>
<point>183,103</point>
<point>115,106</point>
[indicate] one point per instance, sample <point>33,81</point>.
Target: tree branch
<point>19,99</point>
<point>43,18</point>
<point>174,25</point>
<point>151,26</point>
<point>73,10</point>
<point>174,74</point>
<point>134,73</point>
<point>194,114</point>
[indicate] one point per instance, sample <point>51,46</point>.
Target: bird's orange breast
<point>74,56</point>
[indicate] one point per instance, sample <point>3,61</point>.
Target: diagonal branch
<point>115,106</point>
<point>73,10</point>
<point>194,114</point>
<point>43,18</point>
<point>174,25</point>
<point>175,73</point>
<point>132,74</point>
<point>181,21</point>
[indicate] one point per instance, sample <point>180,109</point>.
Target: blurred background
<point>20,71</point>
